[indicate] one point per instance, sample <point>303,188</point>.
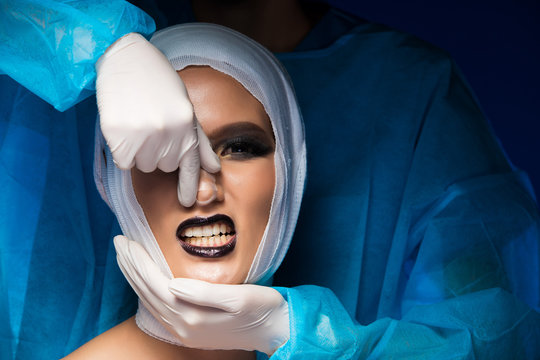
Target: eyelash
<point>243,148</point>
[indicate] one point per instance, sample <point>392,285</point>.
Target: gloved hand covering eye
<point>204,315</point>
<point>146,116</point>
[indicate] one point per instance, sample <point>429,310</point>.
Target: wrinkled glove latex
<point>204,315</point>
<point>146,116</point>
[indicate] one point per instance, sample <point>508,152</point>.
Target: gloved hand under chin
<point>204,315</point>
<point>146,116</point>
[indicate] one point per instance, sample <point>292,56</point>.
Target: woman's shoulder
<point>127,341</point>
<point>124,341</point>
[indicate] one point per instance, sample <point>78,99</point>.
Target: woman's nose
<point>209,190</point>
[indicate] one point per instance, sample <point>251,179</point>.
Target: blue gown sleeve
<point>51,47</point>
<point>486,325</point>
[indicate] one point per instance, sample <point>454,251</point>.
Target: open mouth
<point>207,237</point>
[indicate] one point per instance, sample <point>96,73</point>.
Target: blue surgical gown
<point>416,235</point>
<point>59,281</point>
<point>412,216</point>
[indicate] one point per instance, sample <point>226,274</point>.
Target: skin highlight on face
<point>241,135</point>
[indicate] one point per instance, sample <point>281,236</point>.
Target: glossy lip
<point>201,251</point>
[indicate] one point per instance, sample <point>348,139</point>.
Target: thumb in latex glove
<point>146,116</point>
<point>204,315</point>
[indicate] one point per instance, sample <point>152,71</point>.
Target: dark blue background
<point>497,46</point>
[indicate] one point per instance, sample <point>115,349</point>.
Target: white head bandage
<point>264,77</point>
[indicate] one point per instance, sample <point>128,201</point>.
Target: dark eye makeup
<point>244,147</point>
<point>242,141</point>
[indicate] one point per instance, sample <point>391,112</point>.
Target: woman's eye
<point>239,149</point>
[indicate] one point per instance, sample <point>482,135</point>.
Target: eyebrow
<point>235,129</point>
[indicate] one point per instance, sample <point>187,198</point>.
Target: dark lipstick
<point>207,251</point>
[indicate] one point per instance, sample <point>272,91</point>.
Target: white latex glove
<point>204,315</point>
<point>146,116</point>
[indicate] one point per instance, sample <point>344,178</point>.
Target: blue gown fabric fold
<point>59,42</point>
<point>60,282</point>
<point>416,238</point>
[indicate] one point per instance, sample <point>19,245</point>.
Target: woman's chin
<point>214,273</point>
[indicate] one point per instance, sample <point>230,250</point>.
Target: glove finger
<point>209,159</point>
<point>170,316</point>
<point>169,159</point>
<point>124,157</point>
<point>142,270</point>
<point>124,268</point>
<point>176,150</point>
<point>133,285</point>
<point>149,153</point>
<point>165,313</point>
<point>122,150</point>
<point>219,296</point>
<point>188,179</point>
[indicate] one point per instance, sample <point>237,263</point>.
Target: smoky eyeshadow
<point>242,134</point>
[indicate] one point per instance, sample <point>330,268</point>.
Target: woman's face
<point>216,242</point>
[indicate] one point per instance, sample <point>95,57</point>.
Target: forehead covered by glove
<point>264,77</point>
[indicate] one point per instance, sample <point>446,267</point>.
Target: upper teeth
<point>207,230</point>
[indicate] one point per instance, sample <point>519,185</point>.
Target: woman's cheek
<point>250,181</point>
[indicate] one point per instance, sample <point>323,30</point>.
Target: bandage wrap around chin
<point>264,77</point>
